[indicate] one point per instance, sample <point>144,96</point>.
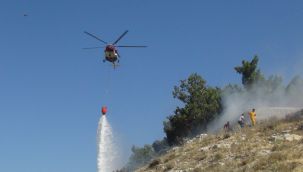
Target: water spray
<point>106,152</point>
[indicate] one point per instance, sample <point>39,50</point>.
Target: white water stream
<point>106,152</point>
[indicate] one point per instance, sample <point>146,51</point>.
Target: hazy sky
<point>51,90</point>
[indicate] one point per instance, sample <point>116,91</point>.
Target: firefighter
<point>252,116</point>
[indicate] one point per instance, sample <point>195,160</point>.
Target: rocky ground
<point>272,145</point>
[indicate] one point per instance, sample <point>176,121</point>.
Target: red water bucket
<point>104,110</point>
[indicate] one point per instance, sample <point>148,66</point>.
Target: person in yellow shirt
<point>252,116</point>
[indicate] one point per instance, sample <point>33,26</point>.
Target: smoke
<point>269,98</point>
<point>107,152</point>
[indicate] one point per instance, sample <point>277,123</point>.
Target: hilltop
<point>206,109</point>
<point>273,145</point>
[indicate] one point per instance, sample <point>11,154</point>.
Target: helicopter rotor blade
<point>91,48</point>
<point>132,46</point>
<point>120,37</point>
<point>95,37</point>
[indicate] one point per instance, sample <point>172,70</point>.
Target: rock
<point>201,137</point>
<point>206,148</point>
<point>292,137</point>
<point>224,145</point>
<point>287,137</point>
<point>221,163</point>
<point>189,141</point>
<point>286,131</point>
<point>264,152</point>
<point>176,148</point>
<point>277,138</point>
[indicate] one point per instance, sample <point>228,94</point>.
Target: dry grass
<point>300,126</point>
<point>168,167</point>
<point>252,149</point>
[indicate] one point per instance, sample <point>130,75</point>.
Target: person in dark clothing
<point>227,127</point>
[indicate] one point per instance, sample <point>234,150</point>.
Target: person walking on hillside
<point>241,120</point>
<point>227,127</point>
<point>252,116</point>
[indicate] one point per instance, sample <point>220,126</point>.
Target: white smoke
<point>107,152</point>
<point>268,98</point>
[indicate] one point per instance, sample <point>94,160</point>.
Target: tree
<point>250,73</point>
<point>201,105</point>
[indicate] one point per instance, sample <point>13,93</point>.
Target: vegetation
<point>201,105</point>
<point>253,149</point>
<point>250,73</point>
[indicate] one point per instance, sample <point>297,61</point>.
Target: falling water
<point>105,146</point>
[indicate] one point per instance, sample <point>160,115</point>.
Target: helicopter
<point>111,51</point>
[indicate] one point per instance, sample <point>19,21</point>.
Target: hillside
<point>272,145</point>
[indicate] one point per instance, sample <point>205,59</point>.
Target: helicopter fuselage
<point>111,54</point>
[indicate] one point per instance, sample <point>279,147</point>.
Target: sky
<point>51,90</point>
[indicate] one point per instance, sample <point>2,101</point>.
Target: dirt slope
<point>273,145</point>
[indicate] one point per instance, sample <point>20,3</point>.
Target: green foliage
<point>254,81</point>
<point>250,73</point>
<point>202,104</point>
<point>140,157</point>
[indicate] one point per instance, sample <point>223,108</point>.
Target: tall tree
<point>250,73</point>
<point>201,105</point>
